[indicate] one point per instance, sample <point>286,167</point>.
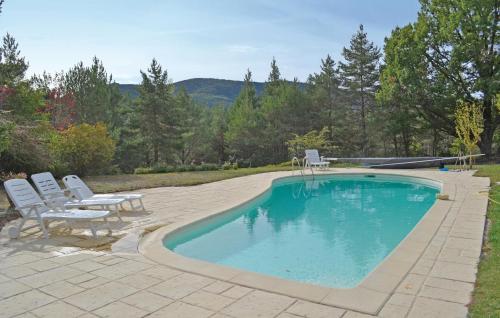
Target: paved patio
<point>72,275</point>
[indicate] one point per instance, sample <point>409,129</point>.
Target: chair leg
<point>108,226</point>
<point>93,230</point>
<point>43,227</point>
<point>142,205</point>
<point>15,232</point>
<point>117,210</point>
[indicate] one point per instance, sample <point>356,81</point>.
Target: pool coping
<point>368,297</point>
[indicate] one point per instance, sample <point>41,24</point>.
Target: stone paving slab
<point>69,275</point>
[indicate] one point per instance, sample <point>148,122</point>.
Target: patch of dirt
<point>6,217</point>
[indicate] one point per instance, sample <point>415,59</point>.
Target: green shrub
<point>27,149</point>
<point>159,169</point>
<point>142,170</point>
<point>312,140</point>
<point>84,149</point>
<point>210,167</point>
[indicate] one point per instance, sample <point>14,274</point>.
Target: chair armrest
<point>31,208</point>
<point>53,195</point>
<point>57,203</point>
<point>76,193</point>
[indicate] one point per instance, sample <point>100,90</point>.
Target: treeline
<point>397,102</point>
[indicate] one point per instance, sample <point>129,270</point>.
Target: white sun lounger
<point>55,197</point>
<point>313,160</point>
<point>31,207</point>
<point>82,192</point>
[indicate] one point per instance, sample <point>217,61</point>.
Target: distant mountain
<point>205,91</point>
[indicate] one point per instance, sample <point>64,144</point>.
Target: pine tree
<point>13,67</point>
<point>245,125</point>
<point>131,148</point>
<point>360,74</point>
<point>248,94</point>
<point>218,128</point>
<point>274,78</point>
<point>158,110</point>
<point>273,105</point>
<point>96,94</point>
<point>326,92</point>
<point>193,126</point>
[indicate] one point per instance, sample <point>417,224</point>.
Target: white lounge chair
<point>31,207</point>
<point>313,159</point>
<point>55,197</point>
<point>80,190</point>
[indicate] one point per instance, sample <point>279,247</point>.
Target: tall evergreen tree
<point>193,125</point>
<point>274,78</point>
<point>284,112</point>
<point>13,67</point>
<point>248,94</point>
<point>273,105</point>
<point>158,110</point>
<point>245,126</point>
<point>360,74</point>
<point>17,95</point>
<point>218,128</point>
<point>327,93</point>
<point>131,148</point>
<point>96,95</point>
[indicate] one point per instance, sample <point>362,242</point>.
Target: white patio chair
<point>314,160</point>
<point>55,197</point>
<point>31,207</point>
<point>82,192</point>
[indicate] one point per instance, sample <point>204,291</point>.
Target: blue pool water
<point>331,231</point>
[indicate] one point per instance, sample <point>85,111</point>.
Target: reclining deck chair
<point>82,192</point>
<point>54,196</point>
<point>314,160</point>
<point>31,207</point>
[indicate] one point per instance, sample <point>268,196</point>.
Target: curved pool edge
<point>368,297</point>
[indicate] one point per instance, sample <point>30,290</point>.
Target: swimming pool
<point>331,231</point>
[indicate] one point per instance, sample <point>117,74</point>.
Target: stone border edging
<point>368,297</point>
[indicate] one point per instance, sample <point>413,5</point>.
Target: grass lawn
<point>128,182</point>
<point>486,296</point>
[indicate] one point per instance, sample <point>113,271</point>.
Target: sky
<point>211,38</point>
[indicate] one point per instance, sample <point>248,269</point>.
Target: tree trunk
<point>155,153</point>
<point>363,124</point>
<point>435,136</point>
<point>406,143</point>
<point>395,141</point>
<point>489,128</point>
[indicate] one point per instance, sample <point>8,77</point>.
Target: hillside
<point>205,91</point>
